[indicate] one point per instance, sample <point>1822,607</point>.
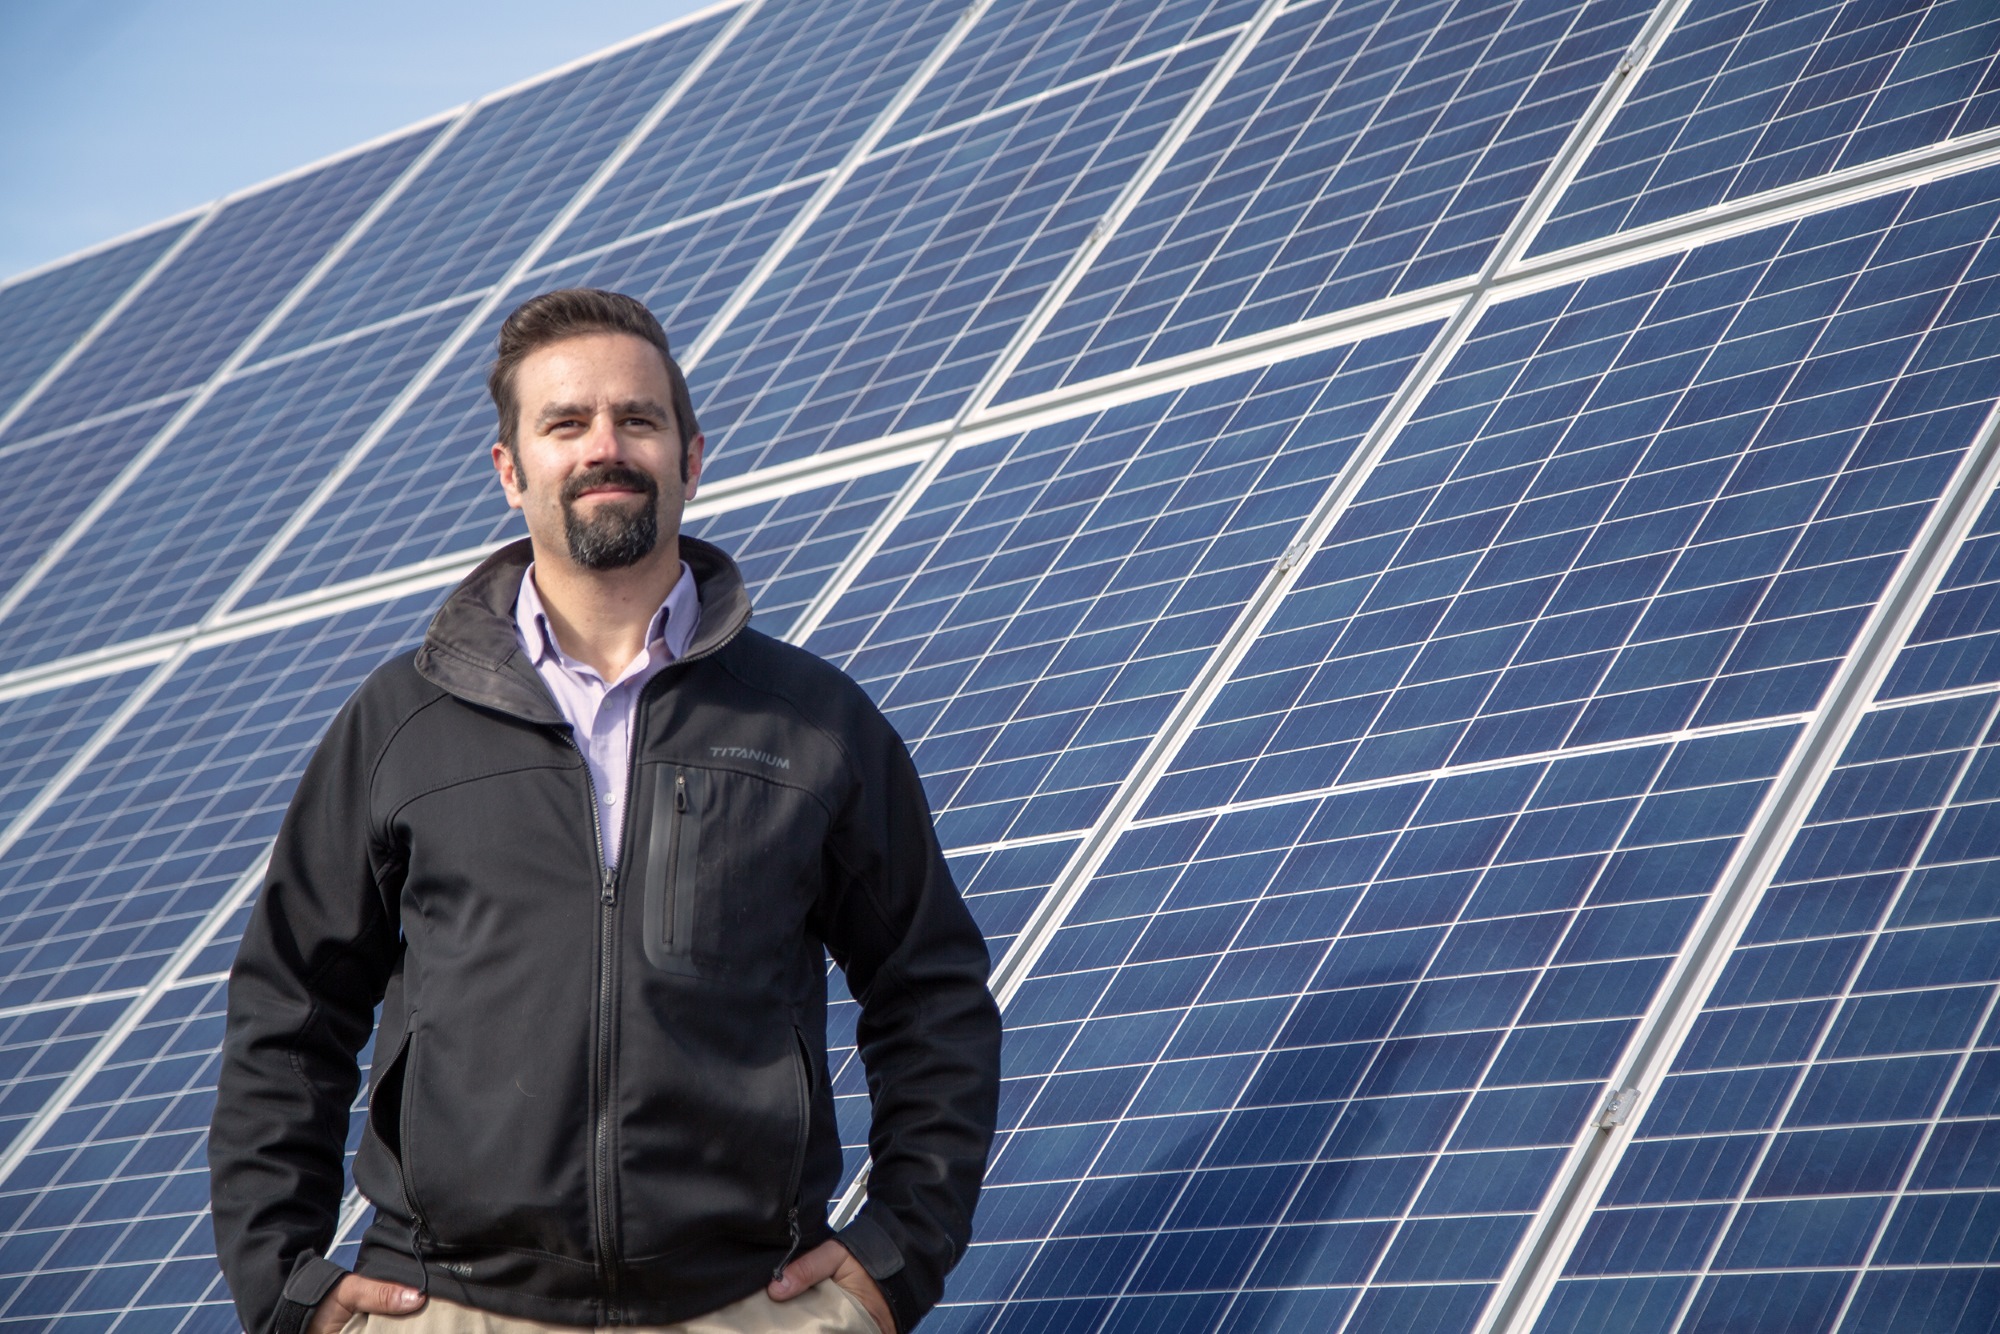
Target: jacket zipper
<point>803,1084</point>
<point>671,907</point>
<point>607,995</point>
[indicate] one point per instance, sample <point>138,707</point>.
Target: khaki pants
<point>824,1309</point>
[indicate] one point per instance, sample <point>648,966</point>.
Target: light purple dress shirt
<point>600,713</point>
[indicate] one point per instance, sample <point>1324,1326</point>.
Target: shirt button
<point>607,799</point>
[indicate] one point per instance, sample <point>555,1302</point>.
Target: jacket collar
<point>473,651</point>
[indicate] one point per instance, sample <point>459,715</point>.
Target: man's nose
<point>602,442</point>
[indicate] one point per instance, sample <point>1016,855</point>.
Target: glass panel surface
<point>1663,498</point>
<point>151,836</point>
<point>1746,97</point>
<point>1023,48</point>
<point>1823,1154</point>
<point>41,317</point>
<point>1312,1065</point>
<point>493,189</point>
<point>46,487</point>
<point>787,98</point>
<point>1031,624</point>
<point>200,308</point>
<point>1957,643</point>
<point>889,310</point>
<point>161,556</point>
<point>1365,148</point>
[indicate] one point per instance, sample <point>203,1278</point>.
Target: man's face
<point>596,470</point>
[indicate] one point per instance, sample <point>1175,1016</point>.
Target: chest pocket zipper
<point>673,851</point>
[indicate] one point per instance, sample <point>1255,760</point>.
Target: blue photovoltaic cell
<point>116,873</point>
<point>787,98</point>
<point>787,549</point>
<point>45,482</point>
<point>39,1048</point>
<point>40,733</point>
<point>1366,147</point>
<point>1746,97</point>
<point>108,1215</point>
<point>202,509</point>
<point>201,307</point>
<point>889,310</point>
<point>1002,887</point>
<point>1033,621</point>
<point>1662,498</point>
<point>42,316</point>
<point>1957,642</point>
<point>493,189</point>
<point>1023,48</point>
<point>429,489</point>
<point>1311,1066</point>
<point>1832,1118</point>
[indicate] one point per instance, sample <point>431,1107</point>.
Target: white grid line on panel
<point>949,437</point>
<point>1035,935</point>
<point>523,263</point>
<point>947,128</point>
<point>327,344</point>
<point>916,446</point>
<point>112,243</point>
<point>199,399</point>
<point>1770,208</point>
<point>1573,1197</point>
<point>1760,724</point>
<point>135,1014</point>
<point>856,154</point>
<point>102,322</point>
<point>27,442</point>
<point>680,222</point>
<point>1933,696</point>
<point>69,1002</point>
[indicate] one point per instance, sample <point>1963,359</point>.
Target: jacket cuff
<point>877,1252</point>
<point>313,1276</point>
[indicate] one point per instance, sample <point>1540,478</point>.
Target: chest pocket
<point>673,860</point>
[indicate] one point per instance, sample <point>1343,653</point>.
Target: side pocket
<point>673,850</point>
<point>389,1117</point>
<point>803,1069</point>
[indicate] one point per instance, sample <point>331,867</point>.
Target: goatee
<point>615,536</point>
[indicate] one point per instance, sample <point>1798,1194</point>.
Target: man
<point>586,848</point>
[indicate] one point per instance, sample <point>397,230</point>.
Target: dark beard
<point>615,537</point>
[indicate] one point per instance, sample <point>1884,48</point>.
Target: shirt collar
<point>671,630</point>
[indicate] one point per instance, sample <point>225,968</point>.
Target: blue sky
<point>115,113</point>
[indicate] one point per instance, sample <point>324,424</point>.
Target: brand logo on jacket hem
<point>745,753</point>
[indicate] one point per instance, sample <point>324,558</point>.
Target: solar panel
<point>1437,559</point>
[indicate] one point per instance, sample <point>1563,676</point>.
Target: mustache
<point>609,474</point>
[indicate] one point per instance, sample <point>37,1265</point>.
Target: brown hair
<point>566,313</point>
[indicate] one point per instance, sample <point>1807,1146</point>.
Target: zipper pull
<point>609,881</point>
<point>680,792</point>
<point>792,1225</point>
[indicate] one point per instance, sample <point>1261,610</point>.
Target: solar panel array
<point>1440,561</point>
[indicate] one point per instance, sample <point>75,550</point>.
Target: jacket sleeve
<point>928,1032</point>
<point>313,963</point>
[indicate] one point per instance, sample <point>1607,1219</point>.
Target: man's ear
<point>510,477</point>
<point>691,465</point>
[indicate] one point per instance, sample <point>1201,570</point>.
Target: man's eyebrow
<point>641,407</point>
<point>558,411</point>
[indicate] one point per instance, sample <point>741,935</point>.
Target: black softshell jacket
<point>599,1099</point>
